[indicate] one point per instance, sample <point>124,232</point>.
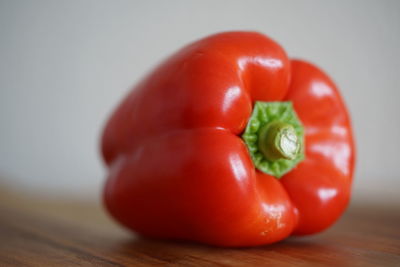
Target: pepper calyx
<point>274,137</point>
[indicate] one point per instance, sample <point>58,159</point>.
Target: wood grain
<point>57,233</point>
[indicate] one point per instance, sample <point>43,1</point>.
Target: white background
<point>64,65</point>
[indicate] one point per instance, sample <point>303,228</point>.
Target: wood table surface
<point>38,232</point>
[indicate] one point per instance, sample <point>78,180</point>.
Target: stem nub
<point>278,140</point>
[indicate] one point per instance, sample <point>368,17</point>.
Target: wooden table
<point>36,232</point>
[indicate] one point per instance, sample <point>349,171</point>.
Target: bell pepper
<point>229,142</point>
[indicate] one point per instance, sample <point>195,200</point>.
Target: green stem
<point>274,138</point>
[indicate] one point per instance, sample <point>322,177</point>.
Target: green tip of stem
<point>278,140</point>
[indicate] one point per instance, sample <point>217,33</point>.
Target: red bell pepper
<point>228,142</point>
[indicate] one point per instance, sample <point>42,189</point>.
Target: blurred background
<point>64,66</point>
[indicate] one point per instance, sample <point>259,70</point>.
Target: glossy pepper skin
<point>178,168</point>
